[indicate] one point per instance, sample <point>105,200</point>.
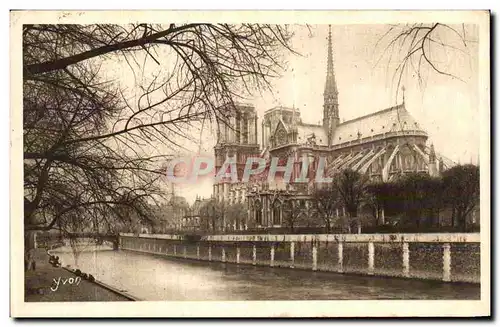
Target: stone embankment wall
<point>447,257</point>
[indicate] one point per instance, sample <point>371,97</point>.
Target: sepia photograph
<point>245,164</point>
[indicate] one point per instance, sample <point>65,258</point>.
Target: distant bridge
<point>100,238</point>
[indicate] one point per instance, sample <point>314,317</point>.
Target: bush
<point>192,238</point>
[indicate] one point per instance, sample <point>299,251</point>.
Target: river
<point>151,277</point>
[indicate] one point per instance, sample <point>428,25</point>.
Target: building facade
<point>236,140</point>
<point>382,145</point>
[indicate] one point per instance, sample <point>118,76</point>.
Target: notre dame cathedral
<point>383,145</point>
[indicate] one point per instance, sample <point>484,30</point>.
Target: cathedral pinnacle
<point>330,85</point>
<point>432,154</point>
<point>330,96</point>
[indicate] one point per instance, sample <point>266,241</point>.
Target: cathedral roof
<point>394,119</point>
<point>283,108</point>
<point>305,131</point>
<point>281,123</point>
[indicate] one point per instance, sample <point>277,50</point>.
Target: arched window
<point>281,137</point>
<point>258,213</point>
<point>276,213</point>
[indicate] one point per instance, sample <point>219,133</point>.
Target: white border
<point>258,308</point>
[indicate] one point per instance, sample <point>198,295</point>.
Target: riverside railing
<point>450,257</point>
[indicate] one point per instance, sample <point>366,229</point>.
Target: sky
<point>446,107</point>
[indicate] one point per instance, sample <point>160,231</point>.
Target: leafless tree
<point>352,189</point>
<point>74,229</point>
<point>94,147</point>
<point>213,212</point>
<point>462,190</point>
<point>326,199</point>
<point>236,215</point>
<point>291,212</point>
<point>420,48</point>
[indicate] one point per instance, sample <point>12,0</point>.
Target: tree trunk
<point>462,220</point>
<point>382,215</point>
<point>29,249</point>
<point>352,224</point>
<point>327,225</point>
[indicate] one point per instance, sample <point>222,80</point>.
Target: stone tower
<point>238,140</point>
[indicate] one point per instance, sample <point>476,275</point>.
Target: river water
<point>152,277</point>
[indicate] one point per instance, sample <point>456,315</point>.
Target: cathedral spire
<point>330,96</point>
<point>330,85</point>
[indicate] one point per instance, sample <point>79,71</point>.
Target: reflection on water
<point>151,277</point>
